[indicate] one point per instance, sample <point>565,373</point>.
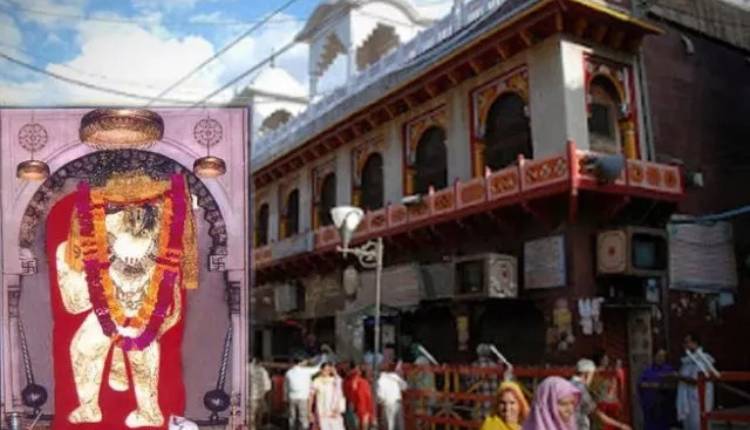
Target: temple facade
<point>532,171</point>
<point>504,156</point>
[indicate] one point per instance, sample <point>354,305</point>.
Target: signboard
<point>701,257</point>
<point>544,263</point>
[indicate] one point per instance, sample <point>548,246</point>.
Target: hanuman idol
<point>130,252</point>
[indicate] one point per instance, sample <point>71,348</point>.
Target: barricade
<point>735,408</point>
<point>460,395</point>
<point>457,397</point>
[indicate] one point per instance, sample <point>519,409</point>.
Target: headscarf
<point>523,405</point>
<point>544,414</point>
<point>494,422</point>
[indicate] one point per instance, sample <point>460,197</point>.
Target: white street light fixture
<point>346,219</point>
<point>370,256</point>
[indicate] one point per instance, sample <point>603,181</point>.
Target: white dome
<point>276,80</point>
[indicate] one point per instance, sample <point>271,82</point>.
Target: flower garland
<point>90,211</point>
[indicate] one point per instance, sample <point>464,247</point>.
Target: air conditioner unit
<point>633,251</point>
<point>437,281</point>
<point>289,298</point>
<point>486,276</point>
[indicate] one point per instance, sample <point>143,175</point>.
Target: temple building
<point>518,160</point>
<point>503,156</point>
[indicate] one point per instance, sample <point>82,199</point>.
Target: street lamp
<point>370,256</point>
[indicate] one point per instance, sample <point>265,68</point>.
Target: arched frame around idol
<point>220,206</point>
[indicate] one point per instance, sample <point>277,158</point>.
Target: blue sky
<point>142,46</point>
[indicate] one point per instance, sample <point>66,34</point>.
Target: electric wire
<point>222,50</point>
<point>83,18</point>
<point>97,76</point>
<point>247,72</point>
<point>88,84</point>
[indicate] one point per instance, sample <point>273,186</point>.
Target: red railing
<point>526,180</point>
<point>734,415</point>
<point>454,401</point>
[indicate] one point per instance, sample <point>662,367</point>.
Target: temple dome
<point>276,80</point>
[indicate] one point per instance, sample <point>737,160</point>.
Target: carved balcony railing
<point>528,179</point>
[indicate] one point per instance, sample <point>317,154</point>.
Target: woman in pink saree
<point>554,407</point>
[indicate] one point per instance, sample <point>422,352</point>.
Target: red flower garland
<point>168,264</point>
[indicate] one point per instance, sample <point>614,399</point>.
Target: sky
<point>144,46</point>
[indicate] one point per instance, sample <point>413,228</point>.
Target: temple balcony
<point>541,188</point>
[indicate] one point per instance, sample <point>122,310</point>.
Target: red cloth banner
<point>115,405</point>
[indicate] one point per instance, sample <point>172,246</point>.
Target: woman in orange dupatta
<point>511,409</point>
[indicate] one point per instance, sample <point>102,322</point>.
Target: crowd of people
<point>318,398</point>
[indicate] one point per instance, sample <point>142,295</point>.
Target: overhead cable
<point>242,75</point>
<point>145,21</point>
<point>88,84</point>
<point>222,51</point>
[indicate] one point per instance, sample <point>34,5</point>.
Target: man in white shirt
<point>260,385</point>
<point>297,384</point>
<point>389,388</point>
<point>695,362</point>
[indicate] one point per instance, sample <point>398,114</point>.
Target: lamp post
<point>370,256</point>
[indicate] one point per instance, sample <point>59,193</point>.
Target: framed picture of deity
<point>128,289</point>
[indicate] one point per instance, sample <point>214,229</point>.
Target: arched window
<point>604,107</point>
<point>431,161</point>
<point>261,226</point>
<point>327,199</point>
<point>507,132</point>
<point>372,182</point>
<point>291,217</point>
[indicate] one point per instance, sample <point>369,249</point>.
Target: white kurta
<point>688,402</point>
<point>330,403</point>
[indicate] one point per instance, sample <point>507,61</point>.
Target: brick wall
<point>700,106</point>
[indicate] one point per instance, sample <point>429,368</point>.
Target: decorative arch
<point>515,81</point>
<point>381,41</point>
<point>621,93</point>
<point>508,132</point>
<point>431,163</point>
<point>319,176</point>
<point>603,116</point>
<point>414,131</point>
<point>332,48</point>
<point>361,153</point>
<point>262,223</point>
<point>96,168</point>
<point>483,97</point>
<point>372,189</point>
<point>622,79</point>
<point>285,190</point>
<point>327,200</point>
